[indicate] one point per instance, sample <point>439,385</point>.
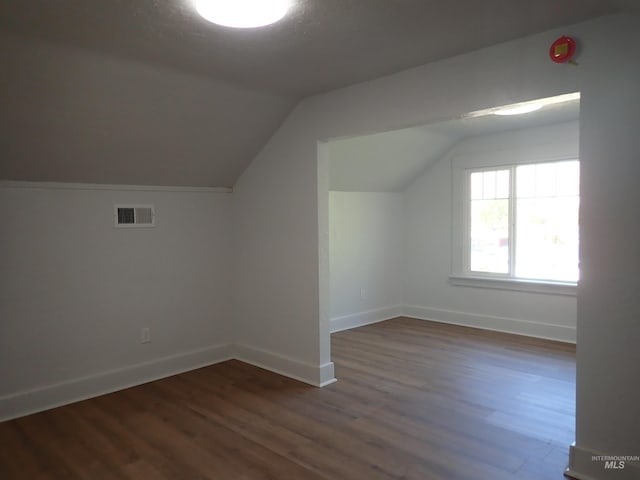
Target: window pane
<point>489,185</point>
<point>502,184</point>
<point>545,179</point>
<point>547,238</point>
<point>489,236</point>
<point>569,178</point>
<point>547,221</point>
<point>526,181</point>
<point>476,186</point>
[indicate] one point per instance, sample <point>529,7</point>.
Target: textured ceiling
<point>321,45</point>
<point>146,92</point>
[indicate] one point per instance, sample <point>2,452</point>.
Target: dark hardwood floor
<point>414,400</point>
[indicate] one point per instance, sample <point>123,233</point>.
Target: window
<point>519,223</point>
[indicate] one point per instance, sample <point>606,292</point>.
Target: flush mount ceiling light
<point>521,110</point>
<point>526,107</point>
<point>243,13</point>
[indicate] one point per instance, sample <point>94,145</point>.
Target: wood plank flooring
<point>414,400</point>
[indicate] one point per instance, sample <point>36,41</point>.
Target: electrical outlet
<point>363,294</point>
<point>145,335</point>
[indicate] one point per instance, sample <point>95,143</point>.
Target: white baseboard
<point>487,322</point>
<point>316,375</point>
<point>582,466</point>
<point>368,317</point>
<point>35,400</point>
<point>51,396</point>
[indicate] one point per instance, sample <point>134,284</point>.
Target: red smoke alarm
<point>562,50</point>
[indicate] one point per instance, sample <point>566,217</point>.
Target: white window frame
<point>461,275</point>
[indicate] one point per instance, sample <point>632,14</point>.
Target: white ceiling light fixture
<point>243,13</point>
<point>521,110</point>
<point>526,107</point>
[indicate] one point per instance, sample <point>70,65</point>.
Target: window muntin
<point>522,221</point>
<point>489,221</point>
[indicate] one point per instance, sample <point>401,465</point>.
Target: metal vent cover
<point>134,215</point>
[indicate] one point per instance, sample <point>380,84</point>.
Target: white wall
<point>428,244</point>
<point>75,291</point>
<point>282,225</point>
<point>608,367</point>
<point>365,250</point>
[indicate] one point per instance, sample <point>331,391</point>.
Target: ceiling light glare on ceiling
<point>521,110</point>
<point>243,13</point>
<point>527,107</point>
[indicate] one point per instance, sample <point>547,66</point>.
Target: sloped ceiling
<point>71,115</point>
<point>391,161</point>
<point>146,92</point>
<point>385,162</point>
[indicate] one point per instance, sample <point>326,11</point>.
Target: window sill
<point>532,286</point>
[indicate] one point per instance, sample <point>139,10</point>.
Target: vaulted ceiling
<point>146,92</point>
